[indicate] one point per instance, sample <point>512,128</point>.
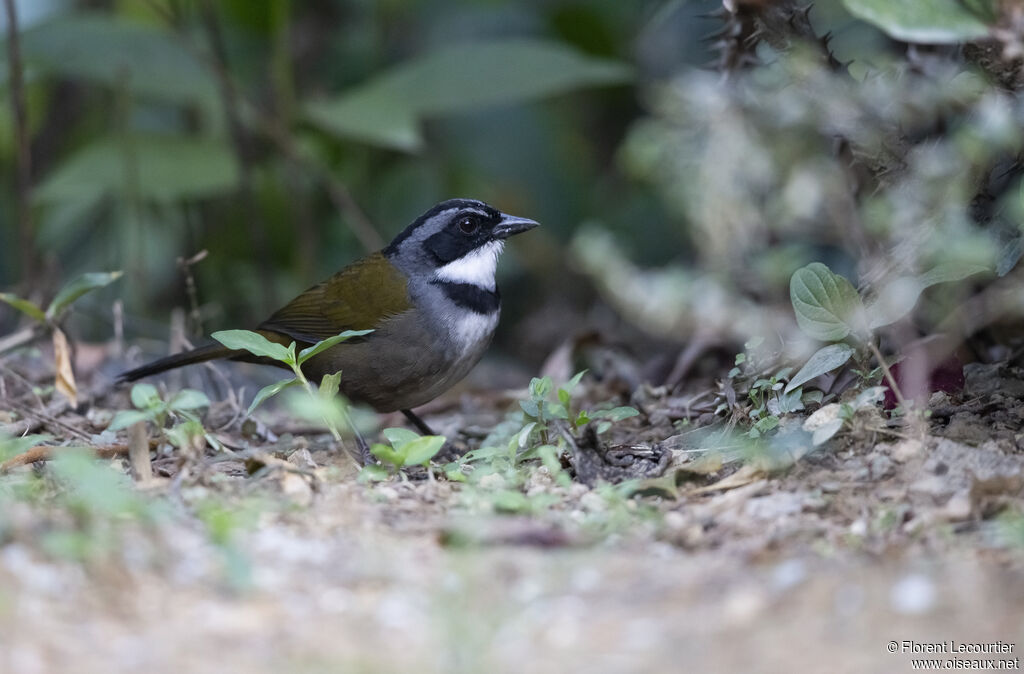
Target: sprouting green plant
<point>181,408</point>
<point>831,418</point>
<point>540,410</point>
<point>50,319</point>
<point>149,406</point>
<point>407,449</point>
<point>326,403</point>
<point>64,298</point>
<point>829,309</point>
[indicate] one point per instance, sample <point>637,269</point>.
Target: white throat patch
<point>476,267</point>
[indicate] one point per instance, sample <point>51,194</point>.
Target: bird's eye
<point>469,224</point>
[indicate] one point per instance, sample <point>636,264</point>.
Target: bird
<point>430,298</point>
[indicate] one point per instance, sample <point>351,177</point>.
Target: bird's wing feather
<point>358,297</point>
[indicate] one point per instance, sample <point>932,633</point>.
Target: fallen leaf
<point>65,376</point>
<point>747,474</point>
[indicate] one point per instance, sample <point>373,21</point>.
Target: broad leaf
<point>921,21</point>
<point>145,396</point>
<point>270,391</point>
<point>827,306</point>
<point>385,453</point>
<point>121,54</point>
<point>422,449</point>
<point>825,359</point>
<point>615,414</point>
<point>824,423</point>
<point>126,418</point>
<point>24,306</point>
<point>254,343</point>
<point>308,353</point>
<point>399,436</point>
<point>162,168</point>
<point>189,399</point>
<point>78,287</point>
<point>387,110</point>
<point>329,385</point>
<point>947,272</point>
<point>899,297</point>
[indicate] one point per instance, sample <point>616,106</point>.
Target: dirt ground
<point>879,536</point>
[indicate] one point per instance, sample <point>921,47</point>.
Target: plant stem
<point>914,419</point>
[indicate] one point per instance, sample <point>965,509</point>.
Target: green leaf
<point>162,168</point>
<point>126,418</point>
<point>385,453</point>
<point>78,287</point>
<point>869,397</point>
<point>105,49</point>
<point>270,391</point>
<point>921,21</point>
<point>509,501</point>
<point>311,351</point>
<point>145,396</point>
<point>254,343</point>
<point>188,399</point>
<point>329,385</point>
<point>825,432</point>
<point>372,473</point>
<point>898,298</point>
<point>422,449</point>
<point>827,306</point>
<point>24,306</point>
<point>540,387</point>
<point>387,110</point>
<point>767,424</point>
<point>399,436</point>
<point>531,408</point>
<point>615,414</point>
<point>13,446</point>
<point>825,359</point>
<point>947,272</point>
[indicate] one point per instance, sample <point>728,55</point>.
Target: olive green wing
<point>358,297</point>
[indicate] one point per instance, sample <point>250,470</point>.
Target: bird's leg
<point>365,455</point>
<point>418,423</point>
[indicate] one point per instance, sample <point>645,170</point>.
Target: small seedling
<point>407,449</point>
<point>325,402</point>
<point>182,408</point>
<point>50,318</point>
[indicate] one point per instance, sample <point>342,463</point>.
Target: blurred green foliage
<point>287,137</point>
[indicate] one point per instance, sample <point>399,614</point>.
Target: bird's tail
<point>199,355</point>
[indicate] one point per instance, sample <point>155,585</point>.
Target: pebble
<point>914,594</point>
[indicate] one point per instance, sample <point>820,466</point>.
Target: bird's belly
<point>407,362</point>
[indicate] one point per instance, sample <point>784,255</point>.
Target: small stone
<point>675,520</point>
<point>492,481</point>
<point>958,508</point>
<point>881,466</point>
<point>302,459</point>
<point>913,594</point>
<point>297,489</point>
<point>906,450</point>
<point>859,527</point>
<point>933,485</point>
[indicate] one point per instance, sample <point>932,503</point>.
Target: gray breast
<point>412,358</point>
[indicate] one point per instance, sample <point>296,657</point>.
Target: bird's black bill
<point>510,225</point>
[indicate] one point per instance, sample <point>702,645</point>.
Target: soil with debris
<point>270,556</point>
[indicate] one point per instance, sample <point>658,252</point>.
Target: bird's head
<point>458,241</point>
